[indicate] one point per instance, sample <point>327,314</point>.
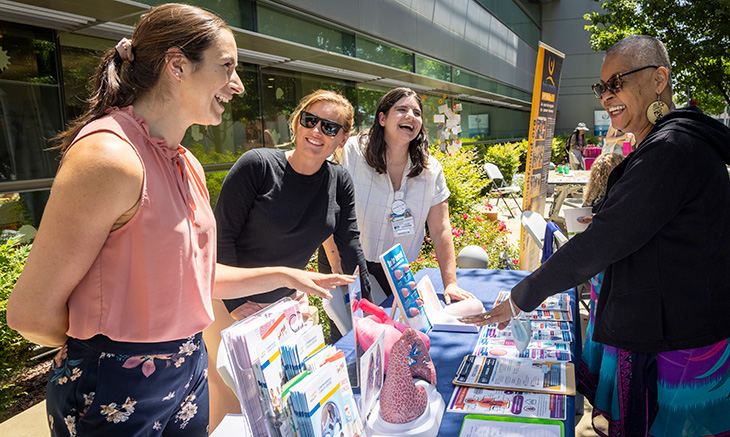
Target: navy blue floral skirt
<point>101,387</point>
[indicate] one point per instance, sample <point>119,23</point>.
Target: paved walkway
<point>32,422</point>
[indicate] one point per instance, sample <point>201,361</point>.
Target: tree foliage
<point>695,32</point>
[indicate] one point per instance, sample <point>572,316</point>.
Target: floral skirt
<point>100,387</point>
<point>676,393</point>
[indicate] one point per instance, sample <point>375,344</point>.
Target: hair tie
<point>124,48</point>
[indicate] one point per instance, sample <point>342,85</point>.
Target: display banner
<point>542,126</point>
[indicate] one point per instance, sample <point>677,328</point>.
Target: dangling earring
<point>656,110</point>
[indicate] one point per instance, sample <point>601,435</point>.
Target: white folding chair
<point>535,226</point>
<point>502,190</point>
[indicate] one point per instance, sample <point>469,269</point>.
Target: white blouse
<point>374,197</point>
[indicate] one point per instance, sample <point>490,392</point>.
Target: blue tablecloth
<point>449,348</point>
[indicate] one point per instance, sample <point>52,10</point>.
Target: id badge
<point>403,224</point>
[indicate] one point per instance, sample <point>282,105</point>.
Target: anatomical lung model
<point>401,400</point>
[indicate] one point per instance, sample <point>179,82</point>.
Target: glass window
<point>30,113</point>
<point>80,56</point>
<point>374,51</point>
<point>225,142</point>
<point>466,78</point>
<point>513,17</point>
<point>295,28</point>
<point>281,92</point>
<point>434,69</point>
<point>368,97</point>
<point>482,122</point>
<point>30,107</point>
<point>237,13</point>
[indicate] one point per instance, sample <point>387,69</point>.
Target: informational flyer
<point>507,403</point>
<point>495,426</point>
<point>556,302</point>
<point>521,374</point>
<point>555,336</point>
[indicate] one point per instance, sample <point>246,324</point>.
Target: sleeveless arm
<point>100,179</point>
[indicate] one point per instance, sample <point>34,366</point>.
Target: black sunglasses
<point>615,83</point>
<point>328,127</point>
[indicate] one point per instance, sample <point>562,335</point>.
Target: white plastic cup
<point>571,219</point>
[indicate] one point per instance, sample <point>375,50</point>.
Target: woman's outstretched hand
<point>500,314</point>
<point>316,283</point>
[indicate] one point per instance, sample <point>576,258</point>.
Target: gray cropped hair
<point>643,50</point>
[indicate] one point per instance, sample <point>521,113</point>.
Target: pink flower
<point>466,217</point>
<point>515,261</point>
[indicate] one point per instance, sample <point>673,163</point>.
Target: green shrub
<point>506,156</point>
<point>465,178</point>
<point>15,351</point>
<point>467,211</point>
<point>560,154</point>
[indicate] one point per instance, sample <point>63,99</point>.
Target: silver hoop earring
<point>656,110</point>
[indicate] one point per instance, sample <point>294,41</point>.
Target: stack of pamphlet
<point>322,402</point>
<point>300,347</point>
<point>551,335</point>
<point>274,360</point>
<point>497,380</point>
<point>255,362</point>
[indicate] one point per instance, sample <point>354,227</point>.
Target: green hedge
<point>15,351</point>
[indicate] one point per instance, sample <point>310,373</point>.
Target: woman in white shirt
<point>399,188</point>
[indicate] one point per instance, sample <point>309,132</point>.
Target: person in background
<point>122,271</point>
<point>615,139</point>
<point>576,144</point>
<point>257,136</point>
<point>661,235</point>
<point>276,207</point>
<point>399,188</point>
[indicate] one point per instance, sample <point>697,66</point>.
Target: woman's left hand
<point>454,292</point>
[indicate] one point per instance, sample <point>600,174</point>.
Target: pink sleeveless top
<point>153,278</point>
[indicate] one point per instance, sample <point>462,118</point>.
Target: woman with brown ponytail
<point>123,269</point>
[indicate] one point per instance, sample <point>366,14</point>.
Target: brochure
<point>299,347</point>
<point>404,287</point>
<point>322,407</point>
<point>496,426</point>
<point>496,343</point>
<point>371,379</point>
<point>552,325</point>
<point>507,403</point>
<point>548,310</point>
<point>354,296</point>
<point>556,302</point>
<point>246,345</point>
<point>555,336</point>
<point>521,374</point>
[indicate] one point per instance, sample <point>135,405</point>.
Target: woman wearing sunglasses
<point>660,233</point>
<point>276,207</point>
<point>399,188</point>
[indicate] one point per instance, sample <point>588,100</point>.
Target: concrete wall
<point>459,32</point>
<point>563,29</point>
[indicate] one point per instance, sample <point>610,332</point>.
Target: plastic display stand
<point>426,425</point>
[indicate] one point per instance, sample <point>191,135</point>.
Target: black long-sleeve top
<point>662,234</point>
<point>270,215</point>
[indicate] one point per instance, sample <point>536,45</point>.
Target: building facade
<point>477,53</point>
